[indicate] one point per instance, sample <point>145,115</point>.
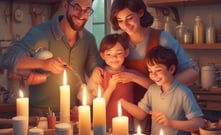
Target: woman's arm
<point>135,77</point>
<point>187,76</point>
<point>189,125</point>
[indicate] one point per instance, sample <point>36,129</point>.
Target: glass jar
<point>168,26</point>
<point>188,37</point>
<point>180,31</point>
<point>210,31</point>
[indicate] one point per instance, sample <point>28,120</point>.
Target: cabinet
<point>209,99</point>
<point>202,46</point>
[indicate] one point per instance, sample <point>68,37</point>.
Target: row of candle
<point>119,123</point>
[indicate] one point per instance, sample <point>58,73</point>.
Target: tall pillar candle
<point>22,106</point>
<point>84,116</point>
<point>120,123</point>
<point>99,115</point>
<point>65,100</point>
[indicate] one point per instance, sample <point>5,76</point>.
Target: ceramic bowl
<point>210,131</point>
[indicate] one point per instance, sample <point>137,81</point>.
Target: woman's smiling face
<point>129,21</point>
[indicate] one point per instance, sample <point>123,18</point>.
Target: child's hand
<point>74,114</point>
<point>160,118</point>
<point>113,82</point>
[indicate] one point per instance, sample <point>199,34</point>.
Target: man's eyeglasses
<point>77,8</point>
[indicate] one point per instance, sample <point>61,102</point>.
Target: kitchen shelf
<point>202,46</point>
<point>35,1</point>
<point>208,99</point>
<point>165,6</point>
<point>157,3</point>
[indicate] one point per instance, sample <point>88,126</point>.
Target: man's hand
<point>97,75</point>
<point>54,65</point>
<point>36,78</point>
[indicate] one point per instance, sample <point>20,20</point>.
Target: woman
<point>134,20</point>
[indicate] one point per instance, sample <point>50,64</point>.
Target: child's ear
<point>102,55</point>
<point>172,69</point>
<point>64,5</point>
<point>127,51</point>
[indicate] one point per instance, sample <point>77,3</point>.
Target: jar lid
<point>208,67</point>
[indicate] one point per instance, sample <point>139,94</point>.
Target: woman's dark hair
<point>72,0</point>
<point>161,55</point>
<point>135,6</point>
<point>110,41</point>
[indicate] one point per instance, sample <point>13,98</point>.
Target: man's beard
<point>73,25</point>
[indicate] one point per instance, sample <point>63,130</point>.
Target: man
<point>69,43</point>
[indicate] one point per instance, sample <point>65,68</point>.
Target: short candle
<point>20,125</point>
<point>120,123</point>
<point>161,132</point>
<point>138,131</point>
<point>36,131</point>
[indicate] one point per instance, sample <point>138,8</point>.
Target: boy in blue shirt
<point>172,104</point>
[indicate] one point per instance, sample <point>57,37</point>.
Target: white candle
<point>120,123</point>
<point>36,131</point>
<point>63,129</point>
<point>65,100</point>
<point>22,106</point>
<point>139,131</point>
<point>84,116</point>
<point>20,125</point>
<point>99,114</point>
<point>161,132</point>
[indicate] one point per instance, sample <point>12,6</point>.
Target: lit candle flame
<point>65,78</point>
<point>84,95</point>
<point>119,109</point>
<point>21,94</point>
<point>99,91</point>
<point>138,130</point>
<point>161,132</point>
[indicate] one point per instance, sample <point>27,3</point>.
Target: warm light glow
<point>161,132</point>
<point>99,91</point>
<point>65,78</point>
<point>21,94</point>
<point>119,109</point>
<point>138,129</point>
<point>84,95</point>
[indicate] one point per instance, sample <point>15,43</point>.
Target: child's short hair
<point>110,41</point>
<point>161,55</point>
